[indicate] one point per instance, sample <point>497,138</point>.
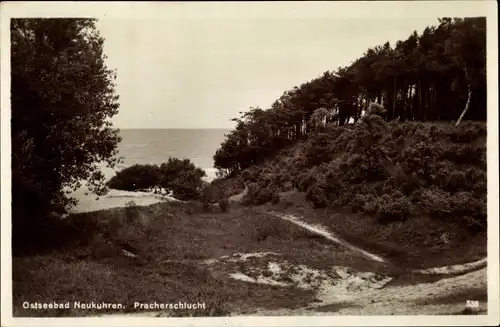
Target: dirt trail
<point>238,197</point>
<point>455,269</point>
<point>320,230</point>
<point>435,298</point>
<point>442,271</point>
<point>345,291</point>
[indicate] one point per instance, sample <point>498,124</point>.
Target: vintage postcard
<point>249,163</point>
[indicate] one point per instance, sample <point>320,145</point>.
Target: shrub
<point>250,174</point>
<point>434,201</point>
<point>275,198</point>
<point>472,154</point>
<point>259,195</point>
<point>364,169</point>
<point>184,192</point>
<point>224,204</point>
<point>394,208</point>
<point>136,177</point>
<point>305,180</point>
<point>467,132</point>
<point>466,204</point>
<point>317,195</point>
<point>359,202</point>
<point>181,177</point>
<point>318,150</point>
<point>388,170</point>
<point>207,195</point>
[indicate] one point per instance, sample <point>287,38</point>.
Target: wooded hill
<point>439,75</point>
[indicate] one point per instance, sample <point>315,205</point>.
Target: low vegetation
<point>86,264</point>
<point>397,181</point>
<point>393,171</point>
<point>179,176</point>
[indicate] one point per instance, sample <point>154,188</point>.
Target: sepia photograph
<point>256,163</point>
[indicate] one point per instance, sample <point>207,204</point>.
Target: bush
<point>259,195</point>
<point>359,201</point>
<point>207,195</point>
<point>317,195</point>
<point>275,198</point>
<point>389,170</point>
<point>181,177</point>
<point>251,174</point>
<point>466,204</point>
<point>309,178</point>
<point>319,150</point>
<point>136,177</point>
<point>467,132</point>
<point>224,204</point>
<point>393,208</point>
<point>434,201</point>
<point>471,154</point>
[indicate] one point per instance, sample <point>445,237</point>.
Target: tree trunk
<point>466,107</point>
<point>394,94</point>
<point>409,110</point>
<point>434,100</point>
<point>404,113</point>
<point>420,106</point>
<point>469,95</point>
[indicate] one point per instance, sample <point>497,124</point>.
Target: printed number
<point>472,304</point>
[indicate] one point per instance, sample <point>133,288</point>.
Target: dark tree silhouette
<point>437,76</point>
<point>62,98</point>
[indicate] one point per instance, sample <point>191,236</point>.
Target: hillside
<point>248,261</point>
<point>340,223</point>
<point>419,187</point>
<point>362,191</point>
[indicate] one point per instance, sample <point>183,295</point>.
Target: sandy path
<point>435,298</point>
<point>443,271</point>
<point>455,269</point>
<point>320,230</point>
<point>377,298</point>
<point>238,197</point>
<point>423,299</point>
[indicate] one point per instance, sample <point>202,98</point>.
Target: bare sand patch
<point>455,269</point>
<point>88,202</point>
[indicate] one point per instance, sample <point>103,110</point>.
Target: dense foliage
<point>62,97</point>
<point>180,176</point>
<point>436,76</point>
<point>387,169</point>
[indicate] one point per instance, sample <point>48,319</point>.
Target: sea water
<point>154,146</point>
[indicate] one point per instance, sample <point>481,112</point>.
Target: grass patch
<point>480,295</point>
<point>90,267</point>
<point>407,191</point>
<point>415,243</point>
<point>335,307</point>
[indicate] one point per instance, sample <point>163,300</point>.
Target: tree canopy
<point>438,75</point>
<point>62,98</point>
<point>180,176</point>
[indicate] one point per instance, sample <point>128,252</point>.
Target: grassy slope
<point>414,243</point>
<point>90,269</point>
<point>172,240</point>
<point>436,230</point>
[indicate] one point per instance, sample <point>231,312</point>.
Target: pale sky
<point>199,73</point>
